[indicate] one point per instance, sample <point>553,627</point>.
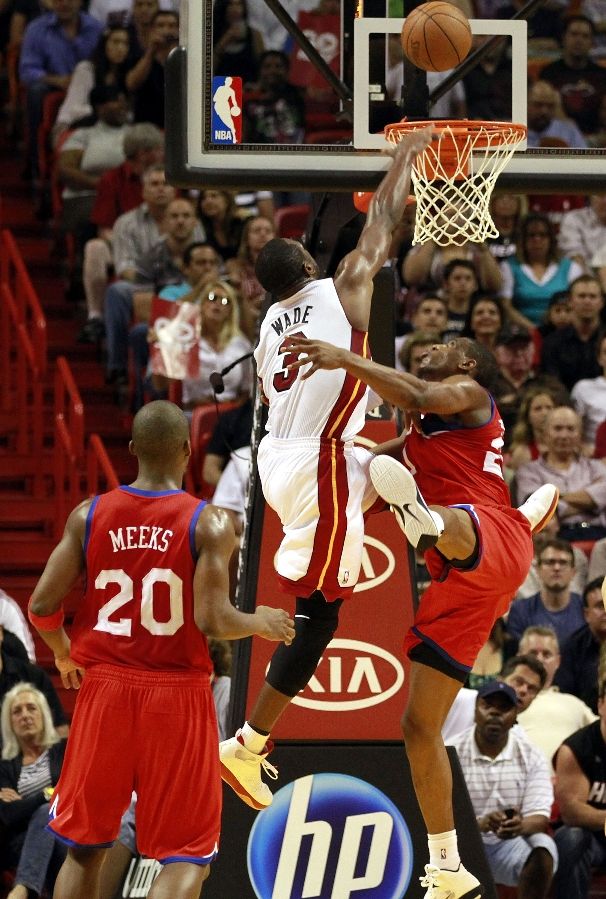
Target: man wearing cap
<point>511,793</point>
<point>581,508</point>
<point>514,352</point>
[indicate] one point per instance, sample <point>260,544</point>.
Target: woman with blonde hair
<point>32,756</point>
<point>221,343</point>
<point>258,230</point>
<point>527,437</point>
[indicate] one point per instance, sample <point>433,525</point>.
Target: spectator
<point>221,221</point>
<point>582,482</point>
<point>523,673</point>
<point>553,716</point>
<point>13,670</point>
<point>53,44</point>
<point>237,47</point>
<point>459,283</point>
<point>511,795</point>
<point>160,266</point>
<point>263,20</point>
<point>140,26</point>
<point>506,211</point>
<point>86,154</point>
<point>578,671</point>
<point>425,265</point>
<point>414,349</point>
<point>231,432</point>
<point>528,434</point>
<point>580,766</point>
<point>145,80</point>
<point>273,110</point>
<point>514,352</point>
<point>240,270</point>
<point>532,277</point>
<point>133,235</point>
<point>555,605</point>
<point>230,494</point>
<point>12,619</point>
<point>570,353</point>
<point>547,127</point>
<point>532,584</point>
<point>485,320</point>
<point>221,342</point>
<point>430,316</point>
<point>108,65</point>
<point>119,190</point>
<point>488,86</point>
<point>583,231</point>
<point>589,398</point>
<point>558,314</point>
<point>32,756</point>
<point>580,81</point>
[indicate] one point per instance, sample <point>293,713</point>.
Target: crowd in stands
<point>167,278</point>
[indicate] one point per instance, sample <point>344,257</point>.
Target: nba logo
<point>226,119</point>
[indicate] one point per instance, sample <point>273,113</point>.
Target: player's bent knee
<point>316,621</point>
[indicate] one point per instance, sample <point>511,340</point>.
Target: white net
<point>454,177</point>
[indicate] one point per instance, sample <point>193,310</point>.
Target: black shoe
<point>92,332</point>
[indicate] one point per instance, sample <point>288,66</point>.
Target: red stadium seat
<point>291,221</point>
<point>204,419</point>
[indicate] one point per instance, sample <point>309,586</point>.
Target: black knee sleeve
<point>315,623</point>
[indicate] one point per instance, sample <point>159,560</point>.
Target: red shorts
<point>154,732</point>
<point>458,609</point>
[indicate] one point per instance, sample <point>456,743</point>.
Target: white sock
<point>253,740</point>
<point>438,520</point>
<point>443,850</point>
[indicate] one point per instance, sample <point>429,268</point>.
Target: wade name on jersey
<point>296,316</point>
<point>141,537</point>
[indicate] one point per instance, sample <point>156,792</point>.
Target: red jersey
<point>456,464</point>
<point>138,606</point>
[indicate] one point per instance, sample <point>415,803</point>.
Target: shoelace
<point>270,770</point>
<point>431,876</point>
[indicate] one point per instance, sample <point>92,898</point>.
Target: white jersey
<point>331,404</point>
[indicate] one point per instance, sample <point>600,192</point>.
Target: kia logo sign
<point>355,674</point>
<point>331,836</point>
<point>378,563</point>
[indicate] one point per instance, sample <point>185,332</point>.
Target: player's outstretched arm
<point>353,278</point>
<point>64,567</point>
<point>457,394</point>
<point>214,613</point>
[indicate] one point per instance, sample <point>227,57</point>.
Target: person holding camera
<point>509,785</point>
<point>145,80</point>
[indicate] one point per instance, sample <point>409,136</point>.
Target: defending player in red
<point>477,548</point>
<point>156,566</point>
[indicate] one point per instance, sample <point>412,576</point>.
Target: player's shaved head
<point>159,431</point>
<point>281,264</point>
<point>486,370</point>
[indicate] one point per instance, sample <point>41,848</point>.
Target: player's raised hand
<point>413,142</point>
<point>275,624</point>
<point>71,673</point>
<point>320,354</point>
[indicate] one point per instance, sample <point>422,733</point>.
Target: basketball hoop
<point>455,175</point>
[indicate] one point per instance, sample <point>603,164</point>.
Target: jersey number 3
<point>123,626</point>
<point>283,380</point>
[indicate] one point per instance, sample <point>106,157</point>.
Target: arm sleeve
<point>31,60</point>
<point>538,791</point>
<point>517,619</point>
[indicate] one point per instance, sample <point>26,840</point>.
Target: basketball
<point>436,36</point>
<point>235,110</point>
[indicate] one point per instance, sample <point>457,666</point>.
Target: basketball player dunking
<point>477,549</point>
<point>310,472</point>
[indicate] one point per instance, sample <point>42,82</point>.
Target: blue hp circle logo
<point>330,836</point>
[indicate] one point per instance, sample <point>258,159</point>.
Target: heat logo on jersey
<point>330,835</point>
<point>226,117</point>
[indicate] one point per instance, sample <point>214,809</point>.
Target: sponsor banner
<point>362,670</point>
<point>344,824</point>
<point>226,114</point>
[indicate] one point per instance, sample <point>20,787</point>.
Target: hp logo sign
<point>330,836</point>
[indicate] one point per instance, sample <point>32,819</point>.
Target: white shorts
<point>320,490</point>
<point>507,857</point>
